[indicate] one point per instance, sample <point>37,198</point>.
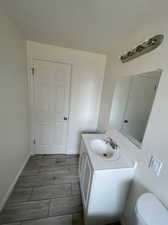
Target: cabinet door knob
<point>65,118</point>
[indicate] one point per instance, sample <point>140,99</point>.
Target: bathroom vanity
<point>105,177</point>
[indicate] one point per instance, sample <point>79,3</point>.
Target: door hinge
<point>34,141</point>
<point>33,70</point>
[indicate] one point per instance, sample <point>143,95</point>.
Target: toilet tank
<point>150,211</point>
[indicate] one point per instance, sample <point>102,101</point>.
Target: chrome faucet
<point>113,144</point>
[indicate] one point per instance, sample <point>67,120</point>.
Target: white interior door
<point>51,106</point>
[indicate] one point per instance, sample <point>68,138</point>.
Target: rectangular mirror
<point>132,102</point>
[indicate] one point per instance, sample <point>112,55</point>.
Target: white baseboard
<point>6,196</point>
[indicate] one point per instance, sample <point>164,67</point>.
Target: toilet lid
<point>151,210</point>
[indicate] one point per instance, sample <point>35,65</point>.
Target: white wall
<point>13,105</point>
<point>156,136</point>
<point>106,97</point>
<point>86,86</point>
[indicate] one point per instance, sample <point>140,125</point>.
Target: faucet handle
<point>106,140</point>
<point>115,146</point>
<point>110,139</point>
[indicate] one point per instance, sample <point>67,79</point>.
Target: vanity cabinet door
<point>82,162</point>
<point>86,180</point>
<point>81,158</point>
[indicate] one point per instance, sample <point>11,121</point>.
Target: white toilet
<point>150,211</point>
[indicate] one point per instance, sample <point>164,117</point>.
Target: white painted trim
<point>10,189</point>
<point>30,95</point>
<point>50,60</point>
<point>69,110</point>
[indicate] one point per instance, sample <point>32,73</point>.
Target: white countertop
<point>100,163</point>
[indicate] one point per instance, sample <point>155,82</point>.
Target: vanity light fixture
<point>143,48</point>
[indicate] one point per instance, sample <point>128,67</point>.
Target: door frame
<point>31,99</point>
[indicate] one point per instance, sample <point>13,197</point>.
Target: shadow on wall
<point>136,191</point>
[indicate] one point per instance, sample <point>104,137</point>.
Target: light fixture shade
<point>143,48</point>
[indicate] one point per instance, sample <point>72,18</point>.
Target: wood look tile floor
<point>46,193</point>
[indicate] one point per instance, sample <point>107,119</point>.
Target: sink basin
<point>103,149</point>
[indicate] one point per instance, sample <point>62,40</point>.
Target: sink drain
<point>105,155</point>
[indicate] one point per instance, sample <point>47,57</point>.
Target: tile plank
<point>67,205</point>
<point>11,224</point>
<point>41,163</point>
<point>65,179</point>
<point>20,194</point>
<point>24,211</point>
<point>29,172</point>
<point>73,160</point>
<point>59,220</point>
<point>55,156</point>
<point>32,165</point>
<point>52,191</point>
<point>40,180</point>
<point>37,156</point>
<point>56,170</point>
<point>48,186</point>
<point>74,170</point>
<point>76,188</point>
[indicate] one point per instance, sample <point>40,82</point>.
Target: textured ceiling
<point>93,25</point>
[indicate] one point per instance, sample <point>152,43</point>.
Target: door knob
<point>65,118</point>
<point>125,121</point>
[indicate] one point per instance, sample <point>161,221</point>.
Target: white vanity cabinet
<point>104,192</point>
